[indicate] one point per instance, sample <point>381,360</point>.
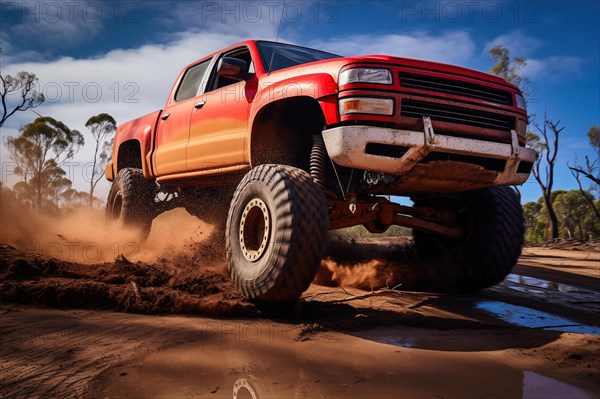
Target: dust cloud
<point>85,236</point>
<point>181,243</point>
<point>367,264</point>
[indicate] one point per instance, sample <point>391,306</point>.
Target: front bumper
<point>347,145</point>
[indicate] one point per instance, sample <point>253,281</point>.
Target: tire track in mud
<point>47,352</point>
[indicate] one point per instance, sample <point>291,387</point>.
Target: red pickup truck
<point>290,142</point>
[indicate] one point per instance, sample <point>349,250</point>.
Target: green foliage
<point>507,68</point>
<point>574,216</point>
<point>594,137</point>
<point>39,152</point>
<point>360,231</point>
<point>534,142</point>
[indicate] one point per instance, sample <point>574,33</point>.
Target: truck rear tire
<point>130,201</point>
<point>494,233</point>
<point>276,233</point>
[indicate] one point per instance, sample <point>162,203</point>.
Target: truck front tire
<point>276,233</point>
<point>494,233</point>
<point>130,201</point>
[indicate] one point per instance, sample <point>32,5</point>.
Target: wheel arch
<point>282,131</point>
<point>129,155</point>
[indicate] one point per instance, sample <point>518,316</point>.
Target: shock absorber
<point>318,162</point>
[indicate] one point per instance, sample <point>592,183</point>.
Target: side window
<point>190,83</point>
<point>222,81</point>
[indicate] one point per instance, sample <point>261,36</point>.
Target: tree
<point>571,210</point>
<point>543,168</point>
<point>102,126</point>
<point>594,137</point>
<point>18,93</point>
<point>71,198</point>
<point>507,68</point>
<point>574,218</point>
<point>535,222</point>
<point>39,152</point>
<point>591,170</point>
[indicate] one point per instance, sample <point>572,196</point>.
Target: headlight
<point>365,75</point>
<point>521,102</point>
<point>366,105</point>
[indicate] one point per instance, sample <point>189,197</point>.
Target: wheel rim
<point>255,228</point>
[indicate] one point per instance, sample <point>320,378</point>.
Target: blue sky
<point>122,57</point>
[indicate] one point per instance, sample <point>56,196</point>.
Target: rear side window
<point>190,83</point>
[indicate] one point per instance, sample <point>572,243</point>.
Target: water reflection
<point>538,386</point>
<point>526,317</point>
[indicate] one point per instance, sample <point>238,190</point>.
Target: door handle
<point>199,104</point>
<point>165,116</point>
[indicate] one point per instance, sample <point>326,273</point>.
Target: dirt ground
<point>68,329</point>
<point>164,320</point>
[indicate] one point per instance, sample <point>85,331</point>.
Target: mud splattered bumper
<point>399,152</point>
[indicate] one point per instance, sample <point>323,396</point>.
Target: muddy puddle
<point>538,386</point>
<point>269,363</point>
<point>542,287</point>
<point>526,317</point>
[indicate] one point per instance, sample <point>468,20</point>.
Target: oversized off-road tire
<point>276,233</point>
<point>130,200</point>
<point>494,232</point>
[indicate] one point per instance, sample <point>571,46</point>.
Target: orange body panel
<point>218,128</point>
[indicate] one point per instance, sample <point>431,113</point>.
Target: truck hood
<point>430,66</point>
<point>333,66</point>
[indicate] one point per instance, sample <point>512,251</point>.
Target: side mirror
<point>233,68</point>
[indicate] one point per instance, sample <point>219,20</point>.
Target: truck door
<point>220,119</point>
<point>173,129</point>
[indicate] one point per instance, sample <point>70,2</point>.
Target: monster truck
<point>286,142</point>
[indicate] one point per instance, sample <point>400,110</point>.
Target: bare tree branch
<point>590,201</point>
<point>586,174</point>
<point>22,83</point>
<point>547,151</point>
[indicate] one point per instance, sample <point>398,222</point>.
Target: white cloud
<point>453,47</point>
<point>557,66</point>
<point>519,44</point>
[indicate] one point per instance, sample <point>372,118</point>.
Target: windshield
<point>277,56</point>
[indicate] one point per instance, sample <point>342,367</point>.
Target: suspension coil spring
<point>318,161</point>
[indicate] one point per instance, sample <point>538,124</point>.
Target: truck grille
<point>456,87</point>
<point>454,114</point>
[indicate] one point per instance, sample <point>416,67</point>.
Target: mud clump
<point>122,285</point>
